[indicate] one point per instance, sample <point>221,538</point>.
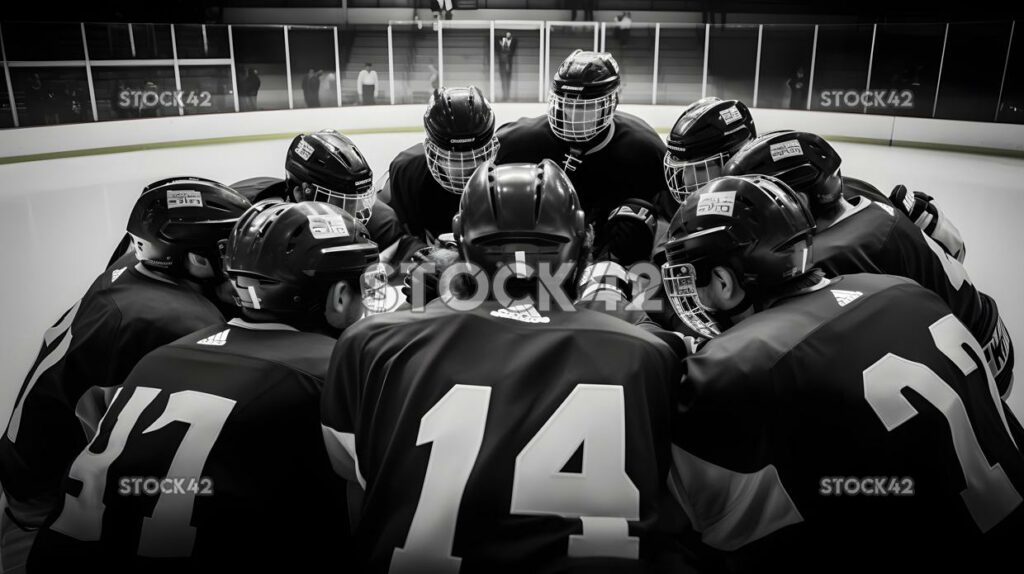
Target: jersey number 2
<point>602,496</point>
<point>989,495</point>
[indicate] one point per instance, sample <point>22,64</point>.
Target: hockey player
<point>858,235</point>
<point>703,138</point>
<point>829,424</point>
<point>128,311</point>
<point>609,156</point>
<point>546,428</point>
<point>326,166</point>
<point>229,417</point>
<point>424,183</point>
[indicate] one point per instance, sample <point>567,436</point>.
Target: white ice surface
<point>59,220</point>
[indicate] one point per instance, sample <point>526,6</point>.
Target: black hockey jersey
<point>876,238</point>
<point>626,166</point>
<point>856,424</point>
<point>503,439</point>
<point>226,421</point>
<point>124,315</point>
<point>419,201</point>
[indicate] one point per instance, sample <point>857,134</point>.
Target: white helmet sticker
<point>716,203</point>
<point>327,226</point>
<point>304,150</point>
<point>730,115</point>
<point>785,149</point>
<point>184,198</point>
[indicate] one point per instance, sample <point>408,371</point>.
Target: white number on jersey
<point>63,327</point>
<point>989,495</point>
<point>602,496</point>
<point>168,532</point>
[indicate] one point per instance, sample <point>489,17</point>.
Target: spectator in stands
<point>506,52</point>
<point>149,109</point>
<point>35,101</point>
<point>798,90</point>
<point>310,89</point>
<point>435,81</point>
<point>325,93</point>
<point>248,88</point>
<point>242,78</point>
<point>625,23</point>
<point>588,10</point>
<point>445,8</point>
<point>366,85</point>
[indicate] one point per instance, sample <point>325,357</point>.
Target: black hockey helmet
<point>284,257</point>
<point>460,135</point>
<point>584,95</point>
<point>754,225</point>
<point>181,215</point>
<point>804,161</point>
<point>520,213</point>
<point>326,166</point>
<point>706,135</point>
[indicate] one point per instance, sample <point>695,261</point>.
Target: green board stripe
<point>417,129</point>
<point>188,143</point>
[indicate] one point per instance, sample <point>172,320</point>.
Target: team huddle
<point>467,366</point>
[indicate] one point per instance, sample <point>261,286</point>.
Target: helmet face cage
<point>685,177</point>
<point>452,169</point>
<point>680,283</point>
<point>377,295</point>
<point>359,205</point>
<point>578,120</point>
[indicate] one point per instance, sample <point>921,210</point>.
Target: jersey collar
<point>861,204</point>
<point>150,274</point>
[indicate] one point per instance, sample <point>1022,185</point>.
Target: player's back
<point>875,238</point>
<point>226,419</point>
<point>865,411</point>
<point>95,343</point>
<point>547,433</point>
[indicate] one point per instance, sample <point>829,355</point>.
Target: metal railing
<point>741,61</point>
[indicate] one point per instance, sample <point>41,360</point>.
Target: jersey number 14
<point>602,496</point>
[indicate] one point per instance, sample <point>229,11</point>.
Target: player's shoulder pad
<point>872,283</point>
<point>259,188</point>
<point>601,321</point>
<point>636,127</point>
<point>522,127</point>
<point>407,157</point>
<point>181,310</point>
